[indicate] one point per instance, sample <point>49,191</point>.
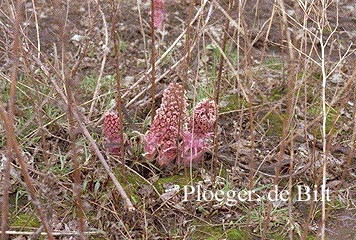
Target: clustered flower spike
<point>201,127</point>
<point>204,117</point>
<point>170,138</point>
<point>158,15</point>
<point>112,132</point>
<point>167,126</point>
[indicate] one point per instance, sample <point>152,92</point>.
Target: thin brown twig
<point>153,62</point>
<point>103,62</point>
<point>115,40</point>
<point>351,155</point>
<point>217,90</point>
<point>187,45</point>
<point>28,181</point>
<point>72,123</point>
<point>185,71</point>
<point>11,106</point>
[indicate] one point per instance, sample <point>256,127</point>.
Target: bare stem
<point>217,90</point>
<point>12,100</point>
<point>153,63</point>
<point>72,123</point>
<point>115,40</point>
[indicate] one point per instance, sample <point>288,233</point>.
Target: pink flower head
<point>167,126</point>
<point>201,126</point>
<point>112,133</point>
<point>158,15</point>
<point>204,117</point>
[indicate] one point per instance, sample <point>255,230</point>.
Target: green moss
<point>317,75</point>
<point>232,102</point>
<point>208,232</point>
<point>277,94</point>
<point>131,183</point>
<point>217,232</point>
<point>273,63</point>
<point>277,236</point>
<point>25,220</point>
<point>204,90</point>
<point>316,110</point>
<point>178,179</point>
<point>275,124</point>
<point>235,234</point>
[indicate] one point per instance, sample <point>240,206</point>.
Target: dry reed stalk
<point>217,91</point>
<point>103,62</point>
<point>11,109</point>
<point>187,46</point>
<point>351,155</point>
<point>153,62</point>
<point>287,121</point>
<point>71,104</point>
<point>251,119</point>
<point>115,40</point>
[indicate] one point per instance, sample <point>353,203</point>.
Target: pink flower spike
<point>204,117</point>
<point>111,131</point>
<point>201,126</point>
<point>167,126</point>
<point>158,15</point>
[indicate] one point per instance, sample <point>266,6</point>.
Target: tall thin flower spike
<point>111,131</point>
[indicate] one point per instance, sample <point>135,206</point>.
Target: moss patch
<point>316,110</point>
<point>277,94</point>
<point>217,232</point>
<point>236,234</point>
<point>275,124</point>
<point>131,183</point>
<point>178,179</point>
<point>25,220</point>
<point>273,63</point>
<point>232,102</point>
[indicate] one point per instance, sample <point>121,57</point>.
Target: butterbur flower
<point>204,117</point>
<point>111,131</point>
<point>201,127</point>
<point>158,14</point>
<point>167,126</point>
